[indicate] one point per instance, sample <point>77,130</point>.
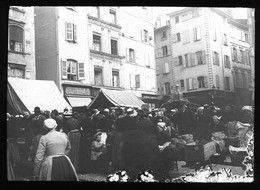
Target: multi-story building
<point>21,43</point>
<point>84,49</point>
<point>202,54</point>
<point>62,51</point>
<point>163,59</point>
<point>138,49</point>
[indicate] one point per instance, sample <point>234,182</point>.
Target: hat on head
<point>177,84</point>
<point>106,110</point>
<point>99,132</point>
<point>37,109</point>
<point>247,108</point>
<point>49,123</point>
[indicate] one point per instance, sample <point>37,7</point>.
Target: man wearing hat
<point>177,95</point>
<point>51,160</point>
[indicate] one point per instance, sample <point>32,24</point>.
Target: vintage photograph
<point>130,94</point>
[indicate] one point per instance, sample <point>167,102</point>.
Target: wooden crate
<point>200,152</point>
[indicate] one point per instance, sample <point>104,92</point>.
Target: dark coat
<point>186,121</point>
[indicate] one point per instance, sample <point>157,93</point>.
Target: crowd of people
<point>58,146</point>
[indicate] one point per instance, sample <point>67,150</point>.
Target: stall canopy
<point>78,101</point>
<point>24,95</point>
<point>110,98</point>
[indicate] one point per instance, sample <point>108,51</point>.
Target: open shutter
<point>187,84</point>
<point>190,61</point>
<point>64,68</point>
<point>169,50</point>
<point>193,59</point>
<point>214,58</point>
<point>81,72</point>
<point>66,33</point>
<point>142,35</point>
<point>204,57</point>
<point>194,34</point>
<point>127,54</point>
<point>206,81</point>
<point>198,30</point>
<point>75,32</point>
<point>195,86</point>
<point>137,57</point>
<point>232,53</point>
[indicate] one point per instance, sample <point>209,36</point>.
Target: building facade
<point>21,43</point>
<point>138,49</point>
<point>62,51</point>
<point>83,49</point>
<point>203,61</point>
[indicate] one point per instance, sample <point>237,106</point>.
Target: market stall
<point>110,98</point>
<point>24,95</point>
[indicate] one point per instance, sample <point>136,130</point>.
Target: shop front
<point>77,96</point>
<point>151,100</point>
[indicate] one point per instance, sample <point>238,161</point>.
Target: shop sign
<point>18,73</point>
<point>149,97</point>
<point>77,91</point>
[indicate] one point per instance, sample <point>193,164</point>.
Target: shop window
<point>16,38</point>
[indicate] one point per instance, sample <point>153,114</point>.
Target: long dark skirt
<point>85,152</point>
<point>62,170</point>
<point>74,137</point>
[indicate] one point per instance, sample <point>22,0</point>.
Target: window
<point>234,78</point>
<point>177,19</point>
<point>191,83</point>
<point>201,57</point>
<point>167,88</point>
<point>164,49</point>
<point>137,81</point>
<point>94,11</point>
<point>195,13</point>
<point>214,34</point>
<point>96,42</point>
<point>71,32</point>
<point>227,83</point>
<point>164,35</point>
<point>226,61</point>
<point>177,37</point>
<point>217,82</point>
<point>234,54</point>
<point>113,47</point>
<point>186,36</point>
<point>215,58</point>
<point>132,55</point>
<point>196,34</point>
<point>16,38</point>
<point>239,55</point>
<point>182,84</point>
<point>146,36</point>
<point>112,16</point>
<point>180,60</point>
<point>72,70</point>
<point>246,57</point>
<point>166,68</point>
<point>115,78</point>
<point>246,37</point>
<point>186,60</point>
<point>225,39</point>
<point>237,78</point>
<point>98,78</point>
<point>202,81</point>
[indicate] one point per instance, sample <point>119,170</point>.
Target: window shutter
<point>193,59</point>
<point>66,32</point>
<point>218,62</point>
<point>137,56</point>
<point>246,56</point>
<point>198,30</point>
<point>194,34</point>
<point>217,81</point>
<point>206,81</point>
<point>204,57</point>
<point>127,54</point>
<point>169,50</point>
<point>232,53</point>
<point>195,86</point>
<point>75,32</point>
<point>187,84</point>
<point>64,68</point>
<point>189,60</point>
<point>81,72</point>
<point>166,67</point>
<point>214,58</point>
<point>142,35</point>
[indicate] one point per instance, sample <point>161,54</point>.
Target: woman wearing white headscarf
<point>51,160</point>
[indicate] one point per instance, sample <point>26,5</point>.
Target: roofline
<point>180,11</point>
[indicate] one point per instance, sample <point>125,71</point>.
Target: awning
<point>79,101</point>
<point>24,95</point>
<point>111,98</point>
